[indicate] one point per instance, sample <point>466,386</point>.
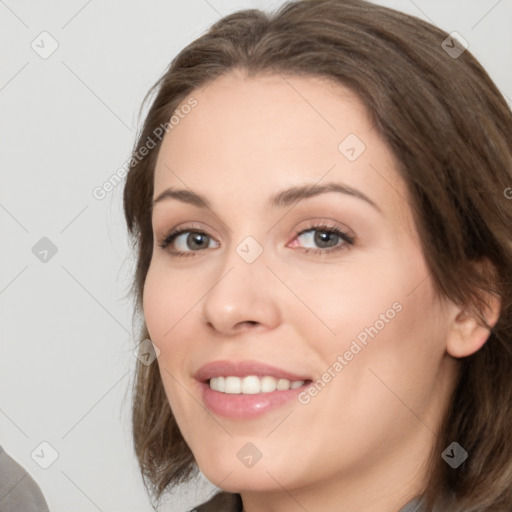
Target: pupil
<point>323,236</point>
<point>196,239</point>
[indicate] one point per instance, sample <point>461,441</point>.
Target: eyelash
<point>347,239</point>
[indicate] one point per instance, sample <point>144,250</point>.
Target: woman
<point>318,201</point>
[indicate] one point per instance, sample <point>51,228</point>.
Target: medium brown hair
<point>450,130</point>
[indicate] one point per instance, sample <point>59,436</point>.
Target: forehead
<point>249,136</point>
<point>267,115</point>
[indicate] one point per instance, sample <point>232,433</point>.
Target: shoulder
<point>18,490</point>
<point>221,502</point>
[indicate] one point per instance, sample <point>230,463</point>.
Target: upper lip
<point>226,368</point>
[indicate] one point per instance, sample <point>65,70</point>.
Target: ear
<point>467,335</point>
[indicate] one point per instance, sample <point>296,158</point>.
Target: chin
<point>237,478</point>
<point>238,483</point>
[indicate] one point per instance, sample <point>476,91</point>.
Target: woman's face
<point>265,278</point>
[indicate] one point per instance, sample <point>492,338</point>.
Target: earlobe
<point>467,335</point>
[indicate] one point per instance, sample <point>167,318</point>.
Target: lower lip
<point>246,407</point>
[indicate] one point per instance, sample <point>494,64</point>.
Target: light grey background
<point>68,123</point>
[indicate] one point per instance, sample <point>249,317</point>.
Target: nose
<point>243,296</point>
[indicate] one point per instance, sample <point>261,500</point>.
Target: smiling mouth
<point>252,384</point>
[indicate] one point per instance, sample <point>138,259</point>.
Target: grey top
<point>18,490</point>
<point>230,502</point>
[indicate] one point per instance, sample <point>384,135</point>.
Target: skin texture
<point>365,439</point>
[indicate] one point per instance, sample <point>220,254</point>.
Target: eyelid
<point>345,234</point>
<point>188,226</point>
<point>318,222</point>
<point>183,228</point>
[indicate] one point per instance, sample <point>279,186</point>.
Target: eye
<point>326,238</point>
<point>187,241</point>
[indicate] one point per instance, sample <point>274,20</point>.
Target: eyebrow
<point>279,200</point>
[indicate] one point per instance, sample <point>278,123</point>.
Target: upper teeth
<point>252,384</point>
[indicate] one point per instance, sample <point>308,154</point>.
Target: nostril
<point>247,323</point>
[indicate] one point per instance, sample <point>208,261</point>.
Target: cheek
<point>165,302</point>
<point>354,297</point>
<point>386,313</point>
<point>400,336</point>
